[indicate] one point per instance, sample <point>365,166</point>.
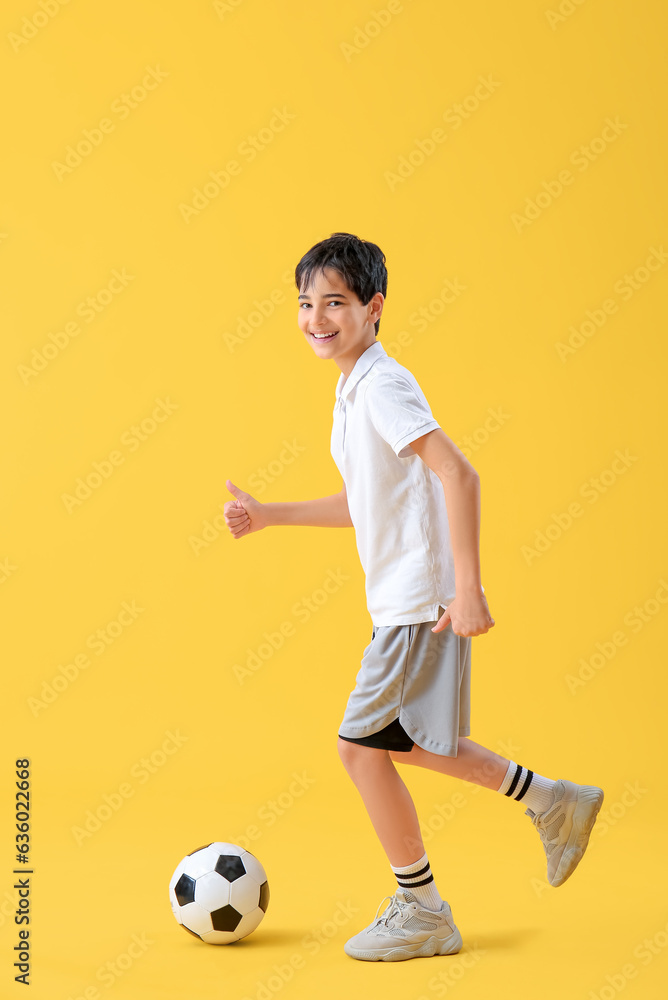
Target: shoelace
<point>542,833</point>
<point>395,909</point>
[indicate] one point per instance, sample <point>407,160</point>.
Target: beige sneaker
<point>405,930</point>
<point>564,827</point>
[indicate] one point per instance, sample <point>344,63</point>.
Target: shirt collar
<point>361,367</point>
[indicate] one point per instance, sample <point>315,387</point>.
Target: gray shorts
<point>415,685</point>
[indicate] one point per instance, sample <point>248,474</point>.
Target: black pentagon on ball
<point>230,866</point>
<point>184,890</point>
<point>264,896</point>
<point>225,919</point>
<point>194,933</point>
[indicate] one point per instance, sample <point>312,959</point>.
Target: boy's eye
<point>332,302</point>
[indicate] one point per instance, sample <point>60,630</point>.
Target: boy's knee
<point>348,752</point>
<point>353,754</point>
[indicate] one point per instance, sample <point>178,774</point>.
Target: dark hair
<point>361,265</point>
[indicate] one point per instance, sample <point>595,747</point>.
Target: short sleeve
<point>399,412</point>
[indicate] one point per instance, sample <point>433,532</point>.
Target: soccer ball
<point>219,893</point>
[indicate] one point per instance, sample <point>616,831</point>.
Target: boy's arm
<point>246,514</point>
<point>325,512</point>
<point>468,612</point>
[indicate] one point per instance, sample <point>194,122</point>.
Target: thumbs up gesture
<point>245,514</point>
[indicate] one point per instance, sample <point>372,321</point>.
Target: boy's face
<point>329,306</point>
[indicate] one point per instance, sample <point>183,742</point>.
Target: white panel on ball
<point>249,922</point>
<point>244,894</point>
<point>196,918</point>
<point>220,937</point>
<point>212,891</point>
<point>224,848</point>
<point>201,862</point>
<point>253,867</point>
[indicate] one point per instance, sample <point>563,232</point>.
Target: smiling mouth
<point>325,336</point>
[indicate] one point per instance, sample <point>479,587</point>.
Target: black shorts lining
<point>391,737</point>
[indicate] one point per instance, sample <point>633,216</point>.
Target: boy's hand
<point>245,514</point>
<point>468,614</point>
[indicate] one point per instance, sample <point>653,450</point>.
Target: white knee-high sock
<point>418,880</point>
<point>533,790</point>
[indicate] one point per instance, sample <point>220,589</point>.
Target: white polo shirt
<point>397,504</point>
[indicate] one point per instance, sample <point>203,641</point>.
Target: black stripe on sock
<point>411,885</point>
<point>524,786</point>
<point>516,778</point>
<point>421,871</point>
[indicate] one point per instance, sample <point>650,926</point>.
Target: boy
<point>414,501</point>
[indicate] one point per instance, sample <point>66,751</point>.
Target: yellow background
<point>360,97</point>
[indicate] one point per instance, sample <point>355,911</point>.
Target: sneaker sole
<point>425,949</point>
<point>590,800</point>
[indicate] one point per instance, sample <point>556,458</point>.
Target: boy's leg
<point>409,927</point>
<point>387,801</point>
<point>563,813</point>
<point>473,763</point>
<point>481,766</point>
